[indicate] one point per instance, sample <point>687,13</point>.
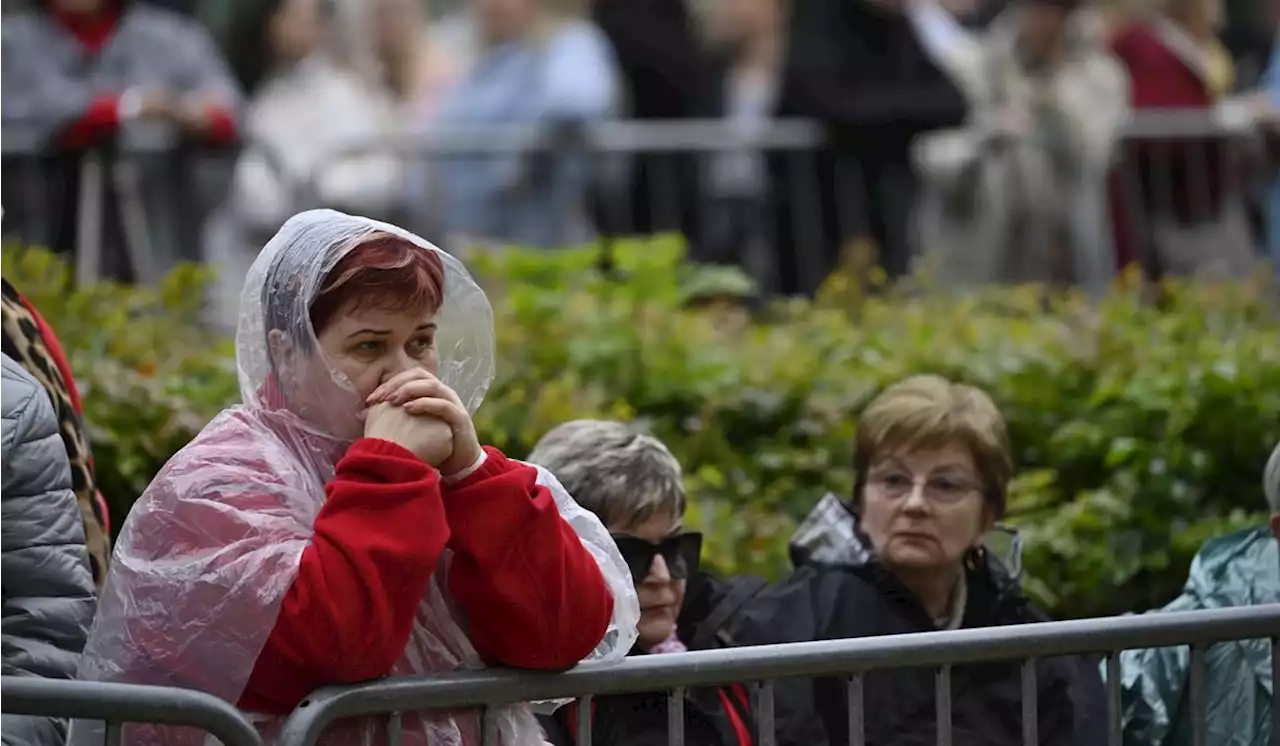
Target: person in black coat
<point>862,67</point>
<point>633,483</point>
<point>908,555</point>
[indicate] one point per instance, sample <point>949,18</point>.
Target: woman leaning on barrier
<point>343,523</point>
<point>908,554</point>
<point>633,484</point>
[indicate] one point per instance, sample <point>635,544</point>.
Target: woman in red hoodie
<point>343,523</point>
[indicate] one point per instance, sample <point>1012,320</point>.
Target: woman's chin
<point>654,631</point>
<point>914,558</point>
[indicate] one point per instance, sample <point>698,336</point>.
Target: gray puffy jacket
<point>48,595</point>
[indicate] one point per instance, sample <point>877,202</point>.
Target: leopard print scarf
<point>24,343</point>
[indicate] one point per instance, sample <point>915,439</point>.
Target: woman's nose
<point>658,571</point>
<point>917,500</point>
<point>399,363</point>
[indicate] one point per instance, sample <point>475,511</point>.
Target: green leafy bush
<point>1140,430</point>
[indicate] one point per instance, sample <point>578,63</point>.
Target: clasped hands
<point>416,410</point>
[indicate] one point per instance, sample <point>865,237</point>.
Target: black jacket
<point>841,591</point>
<point>714,716</point>
<point>864,72</point>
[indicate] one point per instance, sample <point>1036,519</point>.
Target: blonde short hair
<point>931,412</point>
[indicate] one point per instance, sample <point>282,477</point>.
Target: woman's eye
<point>420,346</point>
<point>948,486</point>
<point>370,347</point>
<point>896,480</point>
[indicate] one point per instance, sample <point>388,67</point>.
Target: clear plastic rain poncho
<point>206,556</point>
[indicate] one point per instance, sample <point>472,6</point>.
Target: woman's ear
<point>988,523</point>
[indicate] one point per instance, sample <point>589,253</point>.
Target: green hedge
<point>1140,430</point>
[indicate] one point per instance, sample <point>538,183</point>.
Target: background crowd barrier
<point>1187,161</point>
<point>118,704</point>
<point>835,658</point>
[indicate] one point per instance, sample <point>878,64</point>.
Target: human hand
<point>428,438</point>
<point>157,105</point>
<point>421,393</point>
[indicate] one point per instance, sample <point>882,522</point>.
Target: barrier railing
<point>838,658</point>
<point>119,704</point>
<point>733,223</point>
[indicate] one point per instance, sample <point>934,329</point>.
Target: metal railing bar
<point>857,712</point>
<point>764,714</point>
<point>1199,697</point>
<point>1115,722</point>
<point>583,725</point>
<point>942,701</point>
<point>114,735</point>
<point>395,729</point>
<point>804,659</point>
<point>1275,690</point>
<point>1030,704</point>
<point>675,717</point>
<point>136,703</point>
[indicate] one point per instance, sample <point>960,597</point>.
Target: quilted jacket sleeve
<point>48,593</point>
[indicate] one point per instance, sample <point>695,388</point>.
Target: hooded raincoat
<point>275,554</point>
<point>1241,569</point>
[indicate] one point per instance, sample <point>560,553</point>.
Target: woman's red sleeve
<point>348,615</point>
<point>534,595</point>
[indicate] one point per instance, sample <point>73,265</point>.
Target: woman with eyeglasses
<point>908,554</point>
<point>633,484</point>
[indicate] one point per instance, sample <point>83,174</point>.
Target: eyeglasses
<point>679,552</point>
<point>942,489</point>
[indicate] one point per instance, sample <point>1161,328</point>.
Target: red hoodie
<point>533,595</point>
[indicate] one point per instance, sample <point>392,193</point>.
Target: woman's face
<point>736,20</point>
<point>369,345</point>
<point>296,30</point>
<point>505,19</point>
<point>923,509</point>
<point>661,596</point>
<point>397,25</point>
<point>366,345</point>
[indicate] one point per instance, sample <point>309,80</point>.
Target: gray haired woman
<point>633,483</point>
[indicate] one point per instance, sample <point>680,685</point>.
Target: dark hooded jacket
<point>840,590</point>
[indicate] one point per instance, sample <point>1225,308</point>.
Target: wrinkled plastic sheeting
<point>208,552</point>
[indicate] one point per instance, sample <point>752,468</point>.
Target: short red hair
<point>383,271</point>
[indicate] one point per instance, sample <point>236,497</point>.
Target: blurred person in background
<point>536,62</point>
<point>78,73</point>
<point>666,75</point>
<point>747,43</point>
<point>406,60</point>
<point>633,484</point>
<point>932,464</point>
<point>1178,204</point>
<point>878,73</point>
<point>304,108</point>
<point>1241,569</point>
<point>30,342</point>
<point>1269,114</point>
<point>1020,194</point>
<point>48,587</point>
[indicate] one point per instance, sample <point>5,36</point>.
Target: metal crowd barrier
<point>118,704</point>
<point>850,659</point>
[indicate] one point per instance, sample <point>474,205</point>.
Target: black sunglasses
<point>679,552</point>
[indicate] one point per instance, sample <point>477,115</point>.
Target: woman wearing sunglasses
<point>633,484</point>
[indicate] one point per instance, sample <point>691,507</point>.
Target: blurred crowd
<point>991,140</point>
